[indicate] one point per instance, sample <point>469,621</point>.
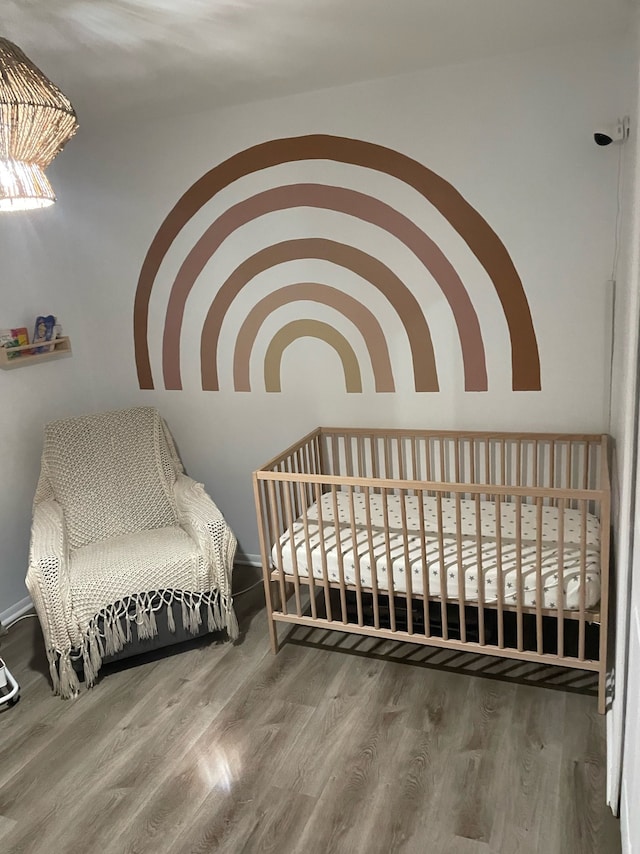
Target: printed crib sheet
<point>349,549</point>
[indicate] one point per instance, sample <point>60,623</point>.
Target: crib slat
<point>583,579</point>
<point>415,474</point>
<point>560,603</point>
<point>499,573</point>
<point>401,467</point>
<point>281,488</point>
<point>487,461</point>
<point>375,469</point>
<point>273,532</point>
<point>318,455</point>
<point>323,553</point>
<point>339,554</point>
<point>426,591</point>
<point>461,571</point>
<point>290,518</point>
<point>348,449</point>
<point>297,495</point>
<point>387,547</point>
<point>587,454</point>
<point>519,590</point>
<point>443,569</point>
<point>306,468</point>
<point>481,631</point>
<point>372,559</point>
<point>260,498</point>
<point>407,562</point>
<point>273,506</point>
<point>539,637</point>
<point>310,577</point>
<point>472,460</point>
<point>361,458</point>
<point>356,556</point>
<point>335,455</point>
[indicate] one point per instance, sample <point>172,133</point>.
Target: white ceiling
<point>168,55</point>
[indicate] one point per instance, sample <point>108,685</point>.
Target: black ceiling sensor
<point>616,133</point>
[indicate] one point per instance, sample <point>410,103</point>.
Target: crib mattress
<point>350,550</point>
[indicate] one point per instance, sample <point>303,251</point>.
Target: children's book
<point>14,338</point>
<point>44,331</point>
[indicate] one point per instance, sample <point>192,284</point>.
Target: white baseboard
<point>18,610</point>
<point>249,560</point>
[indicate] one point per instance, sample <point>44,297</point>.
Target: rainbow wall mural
<point>470,225</point>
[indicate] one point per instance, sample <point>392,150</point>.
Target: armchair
<point>120,532</point>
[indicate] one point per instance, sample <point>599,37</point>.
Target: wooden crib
<point>493,543</point>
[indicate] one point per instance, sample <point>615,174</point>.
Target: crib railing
<point>553,461</point>
<point>332,470</point>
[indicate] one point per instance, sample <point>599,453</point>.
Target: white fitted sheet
<point>336,542</point>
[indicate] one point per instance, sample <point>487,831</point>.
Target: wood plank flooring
<point>337,745</point>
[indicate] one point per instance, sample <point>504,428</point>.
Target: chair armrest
<point>47,576</point>
<point>198,514</point>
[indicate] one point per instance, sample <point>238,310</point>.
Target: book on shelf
<point>17,337</point>
<point>45,330</point>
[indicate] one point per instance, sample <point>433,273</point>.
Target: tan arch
<point>472,227</point>
<point>310,329</point>
<point>360,263</point>
<point>353,310</point>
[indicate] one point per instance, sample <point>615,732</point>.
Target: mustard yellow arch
<point>310,329</point>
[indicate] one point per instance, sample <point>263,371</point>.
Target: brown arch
<point>473,228</point>
<point>359,262</point>
<point>353,310</point>
<point>353,203</point>
<point>310,329</point>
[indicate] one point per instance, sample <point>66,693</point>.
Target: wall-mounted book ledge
<point>19,357</point>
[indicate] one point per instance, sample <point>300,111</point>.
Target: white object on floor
<point>7,682</point>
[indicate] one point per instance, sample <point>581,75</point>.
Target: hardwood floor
<point>371,747</point>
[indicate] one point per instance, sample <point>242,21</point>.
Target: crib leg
<point>272,597</point>
<point>273,635</point>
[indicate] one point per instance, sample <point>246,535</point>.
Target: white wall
<point>513,135</point>
<point>623,779</point>
<point>37,266</point>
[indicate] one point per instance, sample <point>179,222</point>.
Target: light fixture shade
<point>36,121</point>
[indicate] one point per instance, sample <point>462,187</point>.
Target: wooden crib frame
<point>540,469</point>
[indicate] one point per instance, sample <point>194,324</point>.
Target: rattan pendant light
<point>36,120</point>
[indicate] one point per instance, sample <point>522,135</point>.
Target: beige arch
<point>361,317</point>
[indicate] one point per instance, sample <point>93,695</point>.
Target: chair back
<point>113,473</point>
